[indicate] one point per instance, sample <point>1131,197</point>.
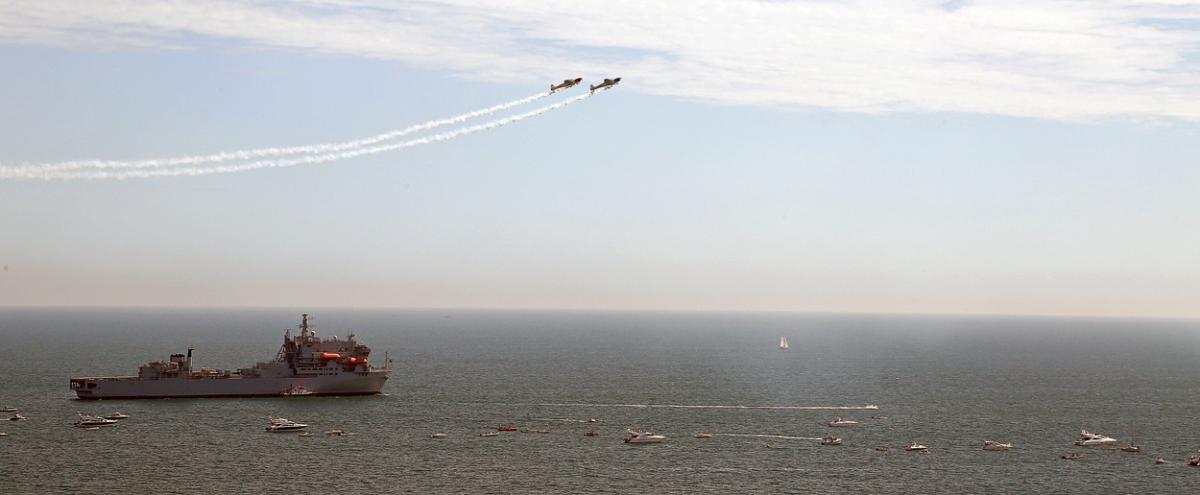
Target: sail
<point>783,343</point>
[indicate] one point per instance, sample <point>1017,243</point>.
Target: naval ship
<point>306,365</point>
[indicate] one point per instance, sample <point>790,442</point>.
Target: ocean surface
<point>947,382</point>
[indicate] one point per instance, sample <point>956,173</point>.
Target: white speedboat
<point>89,421</point>
<point>1089,439</point>
<point>839,422</point>
<point>437,435</point>
<point>643,437</point>
<point>990,445</point>
<point>117,415</point>
<point>296,390</point>
<point>280,425</point>
<point>916,447</point>
<point>831,440</point>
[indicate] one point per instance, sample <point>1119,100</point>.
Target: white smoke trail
<point>271,152</point>
<point>280,163</point>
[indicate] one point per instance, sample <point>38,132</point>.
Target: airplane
<point>608,83</point>
<point>565,84</point>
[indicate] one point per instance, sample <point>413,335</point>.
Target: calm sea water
<point>947,382</point>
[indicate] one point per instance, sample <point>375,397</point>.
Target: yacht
<point>281,425</point>
<point>990,445</point>
<point>916,447</point>
<point>643,437</point>
<point>1089,439</point>
<point>88,421</point>
<point>836,422</point>
<point>117,415</point>
<point>831,440</point>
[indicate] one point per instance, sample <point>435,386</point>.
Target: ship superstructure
<point>305,365</point>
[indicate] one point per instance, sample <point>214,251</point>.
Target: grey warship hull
<point>305,365</point>
<point>131,388</point>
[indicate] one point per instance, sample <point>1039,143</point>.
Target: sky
<point>978,157</point>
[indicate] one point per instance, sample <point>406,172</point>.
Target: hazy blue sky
<point>962,157</point>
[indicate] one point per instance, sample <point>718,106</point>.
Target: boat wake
<point>562,420</point>
<point>753,435</point>
<point>683,406</point>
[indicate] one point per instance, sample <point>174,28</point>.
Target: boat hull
<point>341,384</point>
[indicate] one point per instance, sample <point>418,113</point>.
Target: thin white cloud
<point>1058,59</point>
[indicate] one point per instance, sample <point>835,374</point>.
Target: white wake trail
<point>228,156</point>
<point>693,406</point>
<point>289,162</point>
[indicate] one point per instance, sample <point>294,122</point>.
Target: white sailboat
<point>783,343</point>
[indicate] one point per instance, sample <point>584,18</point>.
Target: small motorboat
<point>643,437</point>
<point>593,420</point>
<point>305,434</point>
<point>990,445</point>
<point>506,428</point>
<point>839,422</point>
<point>490,434</point>
<point>334,433</point>
<point>281,425</point>
<point>8,409</point>
<point>1194,460</point>
<point>1160,460</point>
<point>916,447</point>
<point>88,421</point>
<point>437,435</point>
<point>117,415</point>
<point>881,449</point>
<point>3,434</point>
<point>1089,439</point>
<point>1072,456</point>
<point>831,440</point>
<point>591,434</point>
<point>17,417</point>
<point>702,435</point>
<point>296,390</point>
<point>1132,449</point>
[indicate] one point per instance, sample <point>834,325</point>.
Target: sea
<point>948,382</point>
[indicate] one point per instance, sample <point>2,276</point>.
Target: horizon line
<point>610,310</point>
